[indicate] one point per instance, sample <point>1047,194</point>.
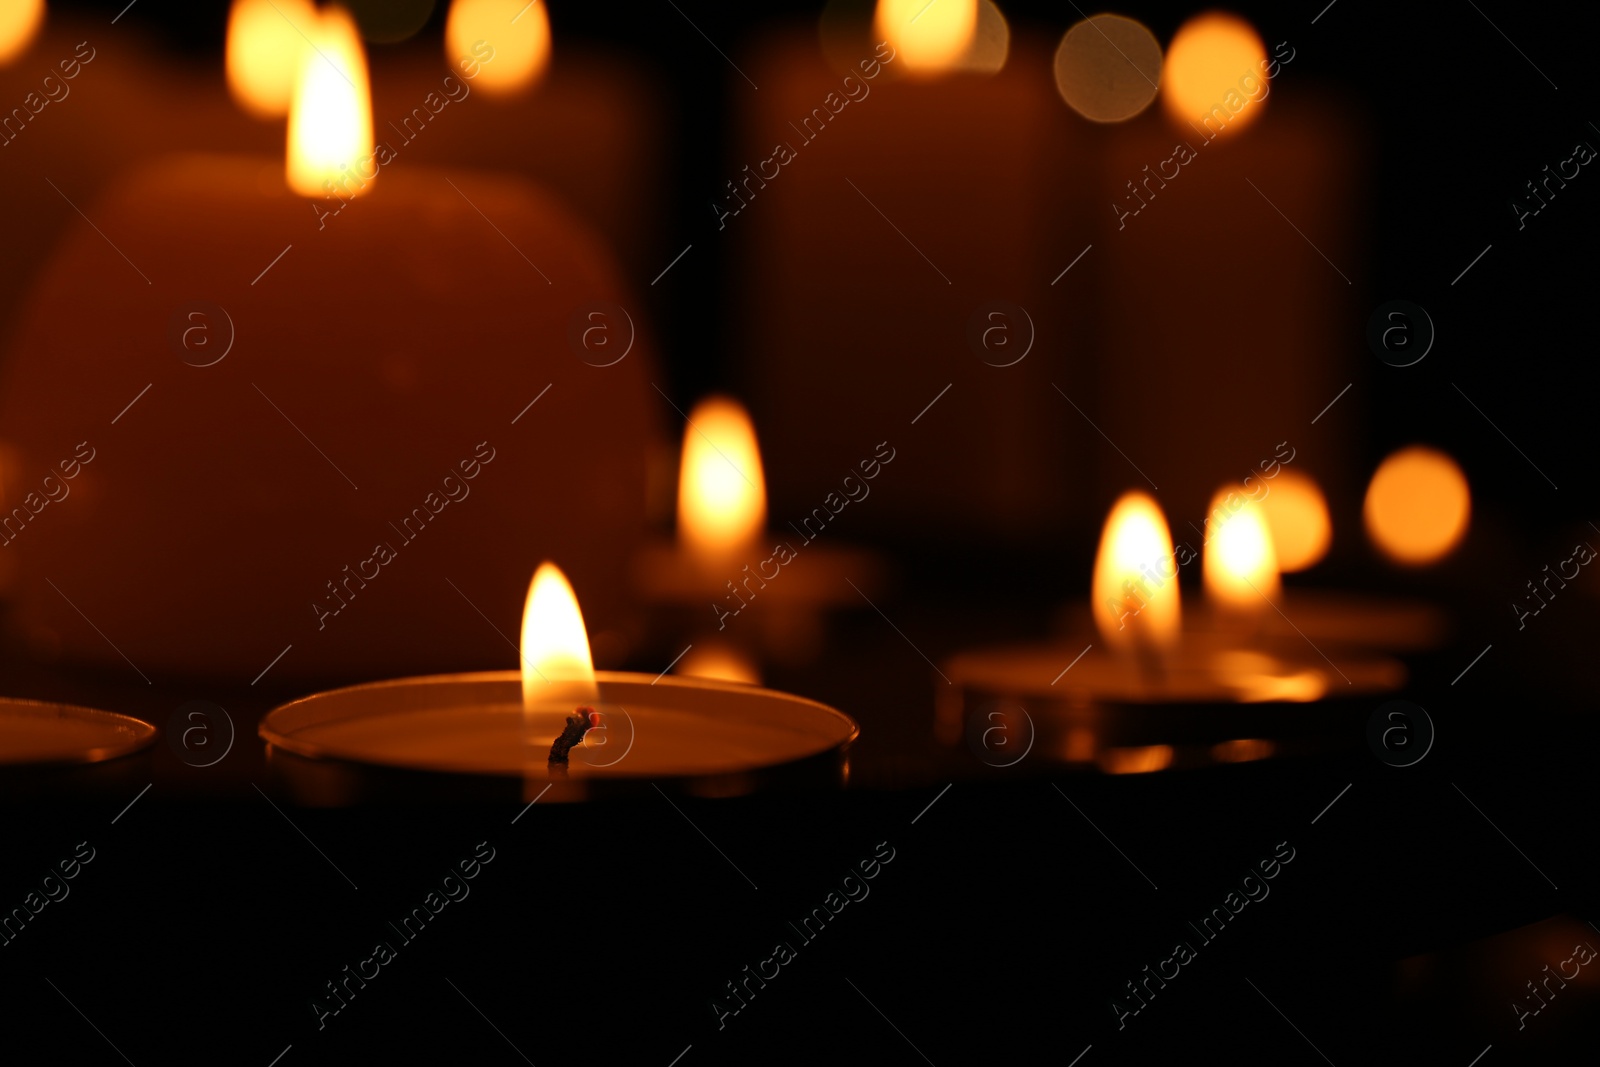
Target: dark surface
<point>1006,925</point>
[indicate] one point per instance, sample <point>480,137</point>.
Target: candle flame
<point>1297,515</point>
<point>19,23</point>
<point>266,42</point>
<point>1135,587</point>
<point>330,116</point>
<point>556,664</point>
<point>1417,506</point>
<point>1214,77</point>
<point>929,38</point>
<point>1241,567</point>
<point>507,41</point>
<point>722,495</point>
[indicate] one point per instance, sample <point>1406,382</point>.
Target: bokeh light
<point>1107,68</point>
<point>1215,76</point>
<point>1418,506</point>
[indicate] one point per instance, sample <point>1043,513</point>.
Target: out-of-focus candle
<point>330,116</point>
<point>437,250</point>
<point>1135,587</point>
<point>722,494</point>
<point>1241,567</point>
<point>19,24</point>
<point>1297,516</point>
<point>727,559</point>
<point>266,40</point>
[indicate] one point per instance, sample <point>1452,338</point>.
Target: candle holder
<point>47,747</point>
<point>1211,704</point>
<point>468,737</point>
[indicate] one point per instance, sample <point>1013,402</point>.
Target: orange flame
<point>722,495</point>
<point>556,664</point>
<point>1297,515</point>
<point>330,116</point>
<point>266,42</point>
<point>1241,567</point>
<point>1135,587</point>
<point>929,37</point>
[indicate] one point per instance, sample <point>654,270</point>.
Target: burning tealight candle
<point>1131,578</point>
<point>1241,565</point>
<point>1297,517</point>
<point>722,493</point>
<point>1144,683</point>
<point>1293,523</point>
<point>725,556</point>
<point>558,723</point>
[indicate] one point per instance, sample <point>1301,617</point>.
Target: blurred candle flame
<point>1297,515</point>
<point>19,23</point>
<point>1135,587</point>
<point>266,43</point>
<point>508,41</point>
<point>1241,566</point>
<point>556,664</point>
<point>929,37</point>
<point>722,495</point>
<point>330,116</point>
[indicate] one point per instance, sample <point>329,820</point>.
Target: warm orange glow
<point>1297,515</point>
<point>1215,74</point>
<point>330,117</point>
<point>19,23</point>
<point>722,495</point>
<point>556,664</point>
<point>266,42</point>
<point>723,662</point>
<point>1135,587</point>
<point>1136,760</point>
<point>507,41</point>
<point>928,38</point>
<point>1240,566</point>
<point>1417,506</point>
<point>1242,750</point>
<point>1255,678</point>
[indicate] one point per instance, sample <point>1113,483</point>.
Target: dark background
<point>1007,922</point>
